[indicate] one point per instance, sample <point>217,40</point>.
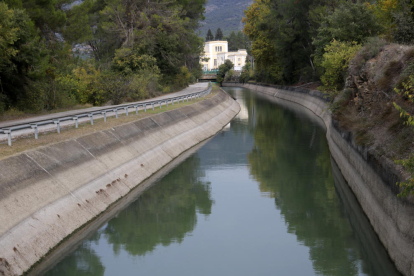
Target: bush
<point>351,22</point>
<point>182,78</point>
<point>372,47</point>
<point>223,69</point>
<point>335,62</point>
<point>229,75</point>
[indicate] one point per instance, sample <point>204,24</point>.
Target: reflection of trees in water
<point>82,262</point>
<point>164,213</point>
<point>296,171</point>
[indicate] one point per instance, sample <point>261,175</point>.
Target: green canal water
<point>263,197</point>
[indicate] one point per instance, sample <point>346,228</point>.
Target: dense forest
<point>136,49</point>
<point>307,40</point>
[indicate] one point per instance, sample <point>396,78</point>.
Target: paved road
<point>51,127</point>
<point>191,89</point>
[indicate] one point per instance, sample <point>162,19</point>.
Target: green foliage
<point>138,45</point>
<point>407,187</point>
<point>408,93</point>
<point>23,56</point>
<point>209,36</point>
<point>183,78</point>
<point>351,22</point>
<point>128,62</point>
<point>247,73</point>
<point>45,14</point>
<point>223,69</point>
<point>335,62</point>
<point>404,22</point>
<point>238,41</point>
<point>229,75</point>
<point>219,35</point>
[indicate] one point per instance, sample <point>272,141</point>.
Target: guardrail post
<point>91,116</point>
<point>166,102</point>
<point>34,126</point>
<point>136,109</point>
<point>8,132</point>
<point>116,113</point>
<point>172,101</point>
<point>76,121</point>
<point>160,104</point>
<point>104,114</point>
<point>153,106</point>
<point>126,110</point>
<point>145,107</point>
<point>57,123</point>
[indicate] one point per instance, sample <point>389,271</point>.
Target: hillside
<point>226,15</point>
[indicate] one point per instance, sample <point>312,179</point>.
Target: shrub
<point>229,75</point>
<point>371,48</point>
<point>404,22</point>
<point>335,62</point>
<point>182,78</point>
<point>223,69</point>
<point>407,186</point>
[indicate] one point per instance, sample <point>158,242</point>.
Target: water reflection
<point>163,215</point>
<point>82,262</point>
<point>291,162</point>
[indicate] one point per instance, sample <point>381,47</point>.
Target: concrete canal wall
<point>48,193</point>
<point>372,179</point>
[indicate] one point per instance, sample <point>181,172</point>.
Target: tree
<point>209,36</point>
<point>404,22</point>
<point>335,62</point>
<point>23,57</point>
<point>238,41</point>
<point>349,23</point>
<point>219,34</point>
<point>223,69</point>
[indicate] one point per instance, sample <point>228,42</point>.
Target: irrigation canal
<point>263,197</point>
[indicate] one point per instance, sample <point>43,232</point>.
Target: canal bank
<point>372,179</point>
<point>50,192</point>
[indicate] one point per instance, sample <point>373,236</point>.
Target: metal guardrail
<point>211,72</point>
<point>34,125</point>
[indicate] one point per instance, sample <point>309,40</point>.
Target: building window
<point>215,62</point>
<point>239,59</point>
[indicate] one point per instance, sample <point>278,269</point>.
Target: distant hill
<point>226,14</point>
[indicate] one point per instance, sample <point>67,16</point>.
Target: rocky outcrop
<point>373,80</point>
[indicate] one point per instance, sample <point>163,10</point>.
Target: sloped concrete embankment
<point>371,179</point>
<point>48,193</point>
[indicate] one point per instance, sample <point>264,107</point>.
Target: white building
<point>216,52</point>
